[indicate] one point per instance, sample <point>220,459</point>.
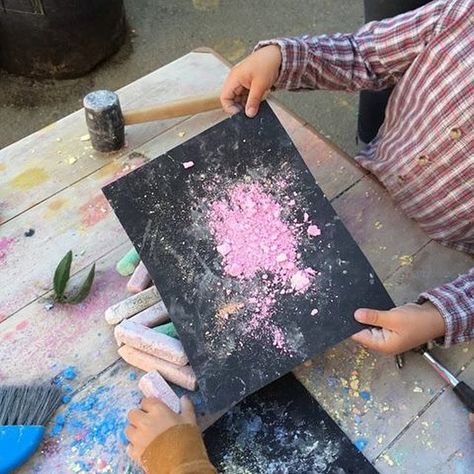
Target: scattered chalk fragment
<point>182,376</point>
<point>132,375</point>
<point>361,443</point>
<point>154,385</point>
<point>168,329</point>
<point>188,164</point>
<point>149,341</point>
<point>140,279</point>
<point>313,231</point>
<point>132,305</point>
<point>181,134</point>
<point>152,316</point>
<point>127,264</point>
<point>70,373</point>
<point>314,312</point>
<point>85,138</point>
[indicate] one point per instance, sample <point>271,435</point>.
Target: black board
<point>282,429</point>
<point>163,207</point>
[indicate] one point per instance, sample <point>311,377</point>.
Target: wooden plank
<point>382,231</point>
<point>92,438</point>
<point>438,441</point>
<point>77,218</point>
<point>432,266</point>
<point>37,167</point>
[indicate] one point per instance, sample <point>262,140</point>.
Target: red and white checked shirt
<point>424,151</point>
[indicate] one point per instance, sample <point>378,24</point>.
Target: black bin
<point>59,38</point>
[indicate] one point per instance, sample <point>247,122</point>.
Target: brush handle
<point>465,394</point>
<point>17,445</point>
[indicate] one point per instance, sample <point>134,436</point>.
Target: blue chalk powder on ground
<point>361,443</point>
<point>70,373</point>
<point>364,395</point>
<point>132,375</point>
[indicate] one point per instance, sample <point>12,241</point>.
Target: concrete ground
<point>161,31</point>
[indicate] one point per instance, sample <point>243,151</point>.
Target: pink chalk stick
<point>132,305</point>
<point>149,341</point>
<point>154,385</point>
<point>152,316</point>
<point>140,279</point>
<point>182,376</point>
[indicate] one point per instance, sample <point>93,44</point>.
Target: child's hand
<point>151,420</point>
<point>399,329</point>
<point>253,76</point>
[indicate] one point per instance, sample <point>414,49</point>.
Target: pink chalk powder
<point>255,241</point>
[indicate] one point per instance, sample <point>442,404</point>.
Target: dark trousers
<point>372,104</point>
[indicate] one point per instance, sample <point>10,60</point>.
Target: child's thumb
<point>187,410</point>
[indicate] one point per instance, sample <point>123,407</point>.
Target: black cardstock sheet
<point>242,333</point>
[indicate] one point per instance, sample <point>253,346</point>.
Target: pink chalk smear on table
<point>188,164</point>
<point>4,244</point>
<point>252,237</point>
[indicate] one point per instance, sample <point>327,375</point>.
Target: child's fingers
<point>230,91</point>
<point>187,410</point>
<point>471,421</point>
<point>131,433</point>
<point>383,319</point>
<point>149,405</point>
<point>132,453</point>
<point>373,339</point>
<point>256,93</point>
<point>135,417</point>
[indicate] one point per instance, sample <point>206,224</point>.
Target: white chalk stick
<point>152,316</point>
<point>132,305</point>
<point>182,376</point>
<point>146,340</point>
<point>140,279</point>
<point>154,385</point>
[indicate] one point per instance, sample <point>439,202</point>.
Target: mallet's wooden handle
<point>177,108</point>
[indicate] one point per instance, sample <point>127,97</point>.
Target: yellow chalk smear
<point>30,178</point>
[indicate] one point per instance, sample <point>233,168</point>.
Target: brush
<point>24,410</point>
<point>463,391</point>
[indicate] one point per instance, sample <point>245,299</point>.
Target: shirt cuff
<point>455,302</point>
<point>294,54</point>
<point>178,450</point>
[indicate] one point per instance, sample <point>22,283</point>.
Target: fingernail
<point>251,112</point>
<point>359,315</point>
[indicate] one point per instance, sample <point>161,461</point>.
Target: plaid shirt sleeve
<point>455,302</point>
<point>373,58</point>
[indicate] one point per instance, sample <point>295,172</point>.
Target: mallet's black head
<point>104,120</point>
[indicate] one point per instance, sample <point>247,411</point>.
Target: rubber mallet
<point>106,122</point>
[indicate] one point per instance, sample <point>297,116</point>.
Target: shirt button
<point>423,160</point>
<point>455,133</point>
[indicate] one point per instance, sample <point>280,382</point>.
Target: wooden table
<point>51,181</point>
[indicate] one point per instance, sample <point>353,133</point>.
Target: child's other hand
<point>399,329</point>
<point>254,76</point>
<point>152,419</point>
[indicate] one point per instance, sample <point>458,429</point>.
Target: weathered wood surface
<point>50,182</point>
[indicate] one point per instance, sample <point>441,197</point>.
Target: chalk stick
<point>140,279</point>
<point>132,305</point>
<point>149,341</point>
<point>127,264</point>
<point>150,317</point>
<point>182,376</point>
<point>167,329</point>
<point>153,385</point>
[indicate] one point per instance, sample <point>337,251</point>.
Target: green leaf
<point>61,275</point>
<point>84,290</point>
